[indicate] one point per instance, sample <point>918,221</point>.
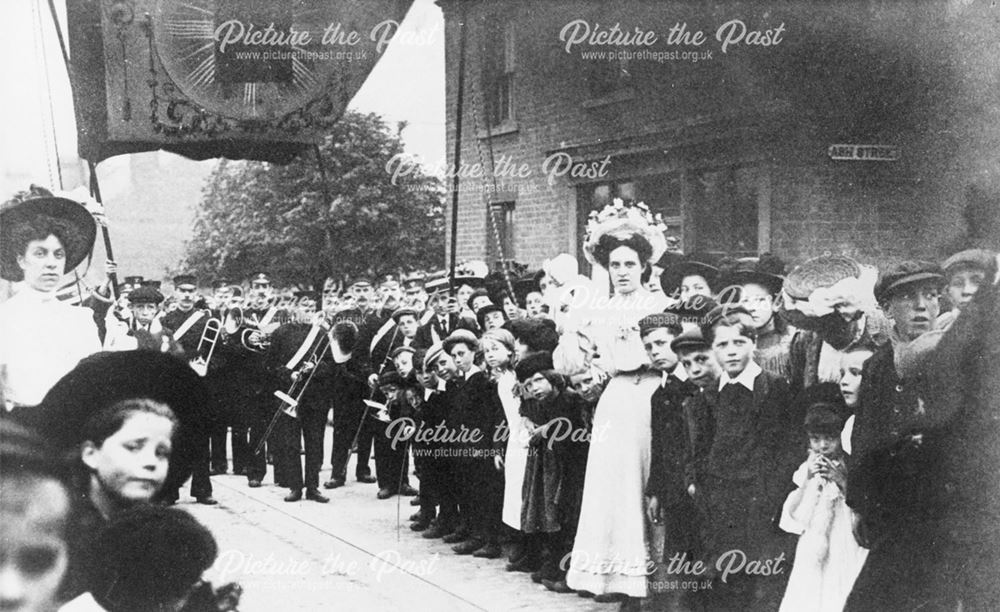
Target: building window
<point>500,232</point>
<point>724,210</point>
<point>498,69</point>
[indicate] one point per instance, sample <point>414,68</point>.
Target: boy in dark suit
<point>750,457</point>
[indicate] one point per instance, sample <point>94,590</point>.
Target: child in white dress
<point>827,558</point>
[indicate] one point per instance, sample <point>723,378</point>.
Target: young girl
<point>827,558</point>
<point>498,352</point>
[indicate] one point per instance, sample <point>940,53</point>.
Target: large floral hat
<point>622,219</point>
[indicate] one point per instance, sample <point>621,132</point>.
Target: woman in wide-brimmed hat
<point>42,237</point>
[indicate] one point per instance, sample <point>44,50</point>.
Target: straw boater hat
<point>623,220</point>
<point>78,221</point>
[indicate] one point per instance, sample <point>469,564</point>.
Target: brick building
<point>735,148</point>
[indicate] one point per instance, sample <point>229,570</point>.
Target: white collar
<point>34,295</point>
<point>678,372</point>
<point>745,378</point>
<point>473,370</point>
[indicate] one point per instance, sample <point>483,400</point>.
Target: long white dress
<point>827,557</point>
<point>516,455</point>
<point>610,552</point>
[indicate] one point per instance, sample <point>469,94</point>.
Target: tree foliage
<point>289,222</point>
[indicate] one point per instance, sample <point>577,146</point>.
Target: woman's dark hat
<point>696,264</point>
<point>104,379</point>
<point>485,310</point>
<point>532,363</point>
<point>766,270</point>
<point>40,202</point>
<point>523,286</point>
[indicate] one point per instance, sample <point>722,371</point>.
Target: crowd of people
<point>692,432</point>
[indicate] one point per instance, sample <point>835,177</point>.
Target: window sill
<point>620,95</point>
<point>507,127</point>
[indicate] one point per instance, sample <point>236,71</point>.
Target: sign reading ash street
<point>863,152</point>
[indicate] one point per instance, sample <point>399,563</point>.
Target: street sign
<point>853,152</point>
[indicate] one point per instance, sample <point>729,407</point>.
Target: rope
<point>488,193</point>
<point>42,102</point>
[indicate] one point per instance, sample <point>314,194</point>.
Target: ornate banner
<point>244,79</point>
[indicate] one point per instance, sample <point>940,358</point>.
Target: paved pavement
<point>348,555</point>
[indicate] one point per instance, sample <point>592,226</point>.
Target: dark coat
<point>285,342</point>
<point>427,332</point>
<point>671,451</point>
<point>475,407</point>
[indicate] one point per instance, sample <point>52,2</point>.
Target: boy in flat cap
<point>965,272</point>
<point>144,303</point>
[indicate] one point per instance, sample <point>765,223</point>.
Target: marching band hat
<point>106,378</point>
<point>436,285</point>
<point>219,283</point>
<point>78,227</point>
<point>690,340</point>
<point>155,284</point>
<point>971,258</point>
<point>262,280</point>
<point>460,336</point>
<point>402,312</point>
<point>145,295</point>
<point>533,363</point>
<point>390,377</point>
<point>133,281</point>
<point>695,264</point>
<point>766,270</point>
<point>185,279</point>
<point>401,349</point>
<point>907,273</point>
<point>414,283</point>
<point>389,281</point>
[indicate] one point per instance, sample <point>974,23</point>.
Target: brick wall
<point>840,77</point>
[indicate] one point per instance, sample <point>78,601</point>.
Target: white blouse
<point>41,339</point>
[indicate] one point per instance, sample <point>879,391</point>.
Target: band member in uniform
<point>137,332</point>
<point>369,322</point>
<point>259,320</point>
<point>41,237</point>
<point>185,326</point>
<point>414,293</point>
<point>300,356</point>
<point>348,389</point>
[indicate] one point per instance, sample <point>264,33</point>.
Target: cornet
<point>209,338</point>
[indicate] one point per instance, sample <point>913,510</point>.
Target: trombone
<point>302,375</point>
<point>209,338</point>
